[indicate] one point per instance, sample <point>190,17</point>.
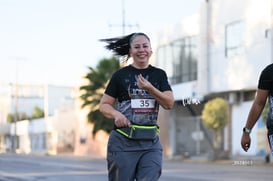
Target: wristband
<point>246,130</point>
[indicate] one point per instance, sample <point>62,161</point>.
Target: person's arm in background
<point>254,114</point>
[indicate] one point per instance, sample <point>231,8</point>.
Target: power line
<point>123,24</point>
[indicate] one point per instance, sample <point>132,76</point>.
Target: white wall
<point>239,116</point>
<point>23,136</point>
<point>184,90</point>
<point>242,71</point>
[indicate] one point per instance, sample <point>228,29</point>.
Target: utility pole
<point>14,139</point>
<point>123,24</point>
<point>271,23</point>
<point>123,17</point>
<point>16,114</point>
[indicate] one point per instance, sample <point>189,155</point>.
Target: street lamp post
<point>16,114</point>
<point>271,23</point>
<point>14,144</point>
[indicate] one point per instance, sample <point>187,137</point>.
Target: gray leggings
<point>130,166</point>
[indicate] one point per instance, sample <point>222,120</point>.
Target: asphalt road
<point>14,167</point>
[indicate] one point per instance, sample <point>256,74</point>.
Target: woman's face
<point>140,50</point>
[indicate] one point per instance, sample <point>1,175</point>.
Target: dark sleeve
<point>266,79</point>
<point>112,87</point>
<point>165,86</point>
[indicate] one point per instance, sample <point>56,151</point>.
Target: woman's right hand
<point>121,121</point>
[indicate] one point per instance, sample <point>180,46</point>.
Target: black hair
<point>121,45</point>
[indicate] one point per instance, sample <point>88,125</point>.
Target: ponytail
<point>121,45</point>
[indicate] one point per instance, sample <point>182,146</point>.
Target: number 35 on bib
<point>143,105</point>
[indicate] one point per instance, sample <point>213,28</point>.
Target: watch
<point>246,130</point>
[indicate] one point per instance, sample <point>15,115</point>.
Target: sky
<point>55,41</point>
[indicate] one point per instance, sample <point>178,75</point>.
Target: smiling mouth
<point>142,56</point>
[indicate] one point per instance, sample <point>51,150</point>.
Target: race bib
<point>143,103</point>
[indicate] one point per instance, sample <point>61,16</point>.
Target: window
<point>179,59</point>
<point>234,34</point>
<point>164,59</point>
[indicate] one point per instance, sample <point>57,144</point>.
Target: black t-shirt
<point>266,83</point>
<point>137,104</point>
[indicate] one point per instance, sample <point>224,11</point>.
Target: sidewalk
<point>247,160</point>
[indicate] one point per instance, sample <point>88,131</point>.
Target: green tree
<point>37,113</point>
<point>10,118</point>
<point>215,116</point>
<point>20,116</point>
<point>92,92</point>
<point>23,116</point>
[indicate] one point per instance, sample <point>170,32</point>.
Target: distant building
<point>59,122</point>
<point>63,129</point>
<point>47,97</point>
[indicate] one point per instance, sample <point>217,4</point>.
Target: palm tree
<point>94,89</point>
